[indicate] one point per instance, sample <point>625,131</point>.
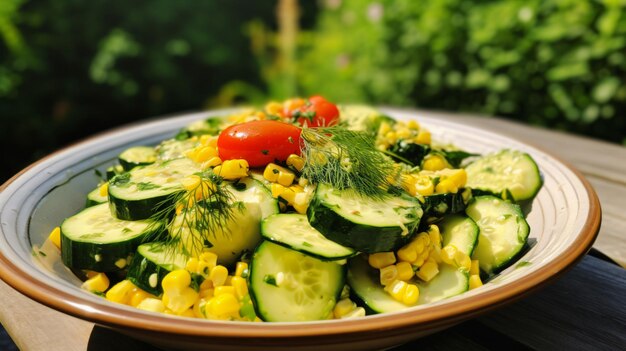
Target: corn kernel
<point>152,305</point>
<point>55,237</point>
<point>286,178</point>
<point>411,295</point>
<point>223,306</point>
<point>407,253</point>
<point>274,108</point>
<point>428,271</point>
<point>462,260</point>
<point>97,283</point>
<point>240,269</point>
<point>475,267</point>
<point>209,257</point>
<point>191,182</point>
<point>423,185</point>
<point>218,275</point>
<point>396,289</point>
<point>405,271</point>
<point>212,162</point>
<point>104,189</point>
<point>121,292</point>
<point>296,162</point>
<point>448,253</point>
<point>343,307</point>
<point>138,295</point>
<point>388,274</point>
<point>434,235</point>
<point>240,287</point>
<point>423,137</point>
<point>381,259</point>
<point>412,124</point>
<point>192,264</point>
<point>474,281</point>
<point>232,169</point>
<point>224,289</point>
<point>271,172</point>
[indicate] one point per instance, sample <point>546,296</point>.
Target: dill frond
<point>346,159</point>
<point>193,216</point>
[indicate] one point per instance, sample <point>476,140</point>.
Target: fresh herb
<point>346,159</point>
<point>455,158</point>
<point>265,152</point>
<point>147,186</point>
<point>270,279</point>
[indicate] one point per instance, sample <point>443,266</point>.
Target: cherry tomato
<point>259,142</point>
<point>319,112</point>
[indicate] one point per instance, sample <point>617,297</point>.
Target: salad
<point>301,210</point>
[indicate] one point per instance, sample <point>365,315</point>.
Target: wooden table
<point>584,309</point>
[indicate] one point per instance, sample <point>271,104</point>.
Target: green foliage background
<point>70,68</point>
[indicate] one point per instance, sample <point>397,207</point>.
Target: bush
<point>557,63</point>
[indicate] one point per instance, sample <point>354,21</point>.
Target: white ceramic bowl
<point>564,220</point>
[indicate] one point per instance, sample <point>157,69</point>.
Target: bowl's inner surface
<point>37,201</point>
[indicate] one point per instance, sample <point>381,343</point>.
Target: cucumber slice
<point>503,232</point>
<point>137,156</point>
<point>460,231</point>
<point>95,240</point>
<point>94,198</point>
<point>507,170</point>
<point>145,190</point>
<point>362,118</point>
<point>450,281</point>
<point>114,170</point>
<point>364,224</point>
<point>289,286</point>
<point>293,231</point>
<point>438,205</point>
<point>365,286</point>
<point>172,149</point>
<point>151,264</point>
<point>249,190</point>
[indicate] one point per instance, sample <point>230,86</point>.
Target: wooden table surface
<point>584,309</point>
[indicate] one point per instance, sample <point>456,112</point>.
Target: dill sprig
<point>346,159</point>
<point>193,216</point>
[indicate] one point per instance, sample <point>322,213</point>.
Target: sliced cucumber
<point>114,170</point>
<point>151,264</point>
<point>503,232</point>
<point>210,126</point>
<point>450,281</point>
<point>289,286</point>
<point>137,156</point>
<point>293,230</point>
<point>252,191</point>
<point>438,205</point>
<point>145,190</point>
<point>507,170</point>
<point>94,198</point>
<point>365,285</point>
<point>362,118</point>
<point>364,224</point>
<point>172,149</point>
<point>460,231</point>
<point>95,240</point>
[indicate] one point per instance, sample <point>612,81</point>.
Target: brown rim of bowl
<point>455,311</point>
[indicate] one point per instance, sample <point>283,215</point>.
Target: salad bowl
<point>564,219</point>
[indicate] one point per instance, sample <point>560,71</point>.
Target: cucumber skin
<point>360,237</point>
<point>134,210</point>
<point>127,166</point>
<point>454,204</point>
<point>140,270</point>
<point>81,255</point>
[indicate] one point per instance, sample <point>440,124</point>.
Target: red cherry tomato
<point>319,112</point>
<point>259,142</point>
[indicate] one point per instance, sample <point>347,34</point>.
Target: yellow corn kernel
<point>205,153</point>
<point>209,257</point>
<point>206,284</point>
<point>296,162</point>
<point>274,108</point>
<point>223,306</point>
<point>301,202</point>
<point>271,172</point>
<point>343,307</point>
<point>474,281</point>
<point>411,295</point>
<point>206,293</point>
<point>178,296</point>
<point>408,252</point>
<point>232,169</point>
<point>218,275</point>
<point>97,283</point>
<point>434,235</point>
<point>198,307</point>
<point>292,104</point>
<point>446,186</point>
<point>403,133</point>
<point>434,254</point>
<point>240,286</point>
<point>412,124</point>
<point>191,182</point>
<point>240,269</point>
<point>475,267</point>
<point>176,280</point>
<point>90,274</point>
<point>388,274</point>
<point>381,259</point>
<point>151,304</point>
<point>121,292</point>
<point>104,189</point>
<point>428,271</point>
<point>286,178</point>
<point>187,313</point>
<point>138,295</point>
<point>462,260</point>
<point>204,268</point>
<point>55,237</point>
<point>192,264</point>
<point>457,176</point>
<point>423,137</point>
<point>448,253</point>
<point>434,163</point>
<point>405,271</point>
<point>277,190</point>
<point>423,185</point>
<point>397,289</point>
<point>224,289</point>
<point>212,162</point>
